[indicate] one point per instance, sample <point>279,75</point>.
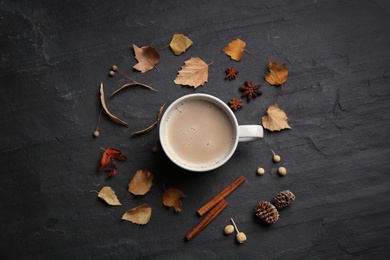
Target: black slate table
<point>54,54</point>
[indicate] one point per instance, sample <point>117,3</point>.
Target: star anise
<point>231,73</point>
<point>235,103</point>
<point>250,90</point>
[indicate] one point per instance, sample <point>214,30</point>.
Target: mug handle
<point>250,133</point>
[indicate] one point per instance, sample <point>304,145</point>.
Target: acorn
<point>284,199</point>
<point>266,212</point>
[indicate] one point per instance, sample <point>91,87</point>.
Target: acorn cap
<point>266,212</point>
<point>284,199</point>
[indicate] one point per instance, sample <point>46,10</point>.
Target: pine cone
<point>284,199</point>
<point>267,212</point>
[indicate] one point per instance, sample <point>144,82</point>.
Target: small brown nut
<point>228,229</point>
<point>282,171</point>
<point>241,237</point>
<point>260,171</point>
<point>111,73</point>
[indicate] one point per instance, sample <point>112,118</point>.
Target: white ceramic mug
<point>199,132</point>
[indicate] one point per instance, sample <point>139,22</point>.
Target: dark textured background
<point>54,54</point>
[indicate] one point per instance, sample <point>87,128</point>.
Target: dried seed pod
<point>266,212</point>
<point>284,199</point>
<point>229,229</point>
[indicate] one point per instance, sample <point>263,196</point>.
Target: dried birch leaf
<point>275,119</point>
<point>194,73</point>
<point>235,49</point>
<point>139,215</point>
<point>141,182</point>
<point>108,195</point>
<point>277,75</point>
<point>147,58</point>
<point>149,128</point>
<point>180,43</point>
<point>171,198</point>
<point>102,100</point>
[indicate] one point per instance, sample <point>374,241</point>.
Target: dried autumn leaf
<point>277,75</point>
<point>106,158</point>
<point>141,182</point>
<point>149,128</point>
<point>108,195</point>
<point>275,119</point>
<point>108,154</point>
<point>180,43</point>
<point>235,49</point>
<point>139,215</point>
<point>102,100</point>
<point>171,198</point>
<point>112,170</point>
<point>147,58</point>
<point>194,73</point>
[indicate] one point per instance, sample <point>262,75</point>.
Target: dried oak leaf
<point>194,73</point>
<point>275,119</point>
<point>102,100</point>
<point>108,195</point>
<point>147,58</point>
<point>141,182</point>
<point>139,215</point>
<point>171,198</point>
<point>180,43</point>
<point>277,74</point>
<point>235,49</point>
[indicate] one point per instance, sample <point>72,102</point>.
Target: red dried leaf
<point>106,158</point>
<point>112,169</point>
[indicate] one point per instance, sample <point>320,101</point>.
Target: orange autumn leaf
<point>277,74</point>
<point>108,154</point>
<point>275,119</point>
<point>141,182</point>
<point>235,49</point>
<point>147,58</point>
<point>108,195</point>
<point>171,198</point>
<point>139,215</point>
<point>180,43</point>
<point>194,73</point>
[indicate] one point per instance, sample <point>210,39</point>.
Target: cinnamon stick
<point>221,195</point>
<point>207,219</point>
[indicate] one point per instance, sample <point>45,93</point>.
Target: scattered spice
<point>221,195</point>
<point>250,90</point>
<point>266,212</point>
<point>96,133</point>
<point>235,104</point>
<point>276,157</point>
<point>111,73</point>
<point>282,171</point>
<point>114,68</point>
<point>231,73</point>
<point>240,237</point>
<point>214,212</point>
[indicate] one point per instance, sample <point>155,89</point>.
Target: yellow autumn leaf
<point>194,73</point>
<point>277,74</point>
<point>141,182</point>
<point>108,195</point>
<point>171,198</point>
<point>275,119</point>
<point>235,49</point>
<point>180,43</point>
<point>139,215</point>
